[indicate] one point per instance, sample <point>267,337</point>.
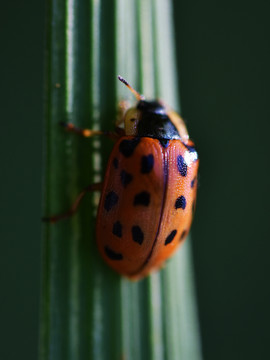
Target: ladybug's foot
<point>74,207</point>
<point>88,132</point>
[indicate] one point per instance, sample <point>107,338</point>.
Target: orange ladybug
<point>149,191</point>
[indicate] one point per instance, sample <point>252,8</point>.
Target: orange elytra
<point>149,190</point>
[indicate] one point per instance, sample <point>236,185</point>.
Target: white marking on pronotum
<point>190,157</point>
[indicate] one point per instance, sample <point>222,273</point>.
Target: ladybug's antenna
<point>137,95</point>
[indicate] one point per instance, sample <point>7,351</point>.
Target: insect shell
<point>149,191</point>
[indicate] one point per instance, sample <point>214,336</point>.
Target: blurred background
<point>223,58</point>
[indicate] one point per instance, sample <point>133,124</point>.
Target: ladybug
<point>149,191</point>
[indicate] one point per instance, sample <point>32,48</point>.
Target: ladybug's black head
<point>153,107</point>
<point>154,121</point>
<point>151,119</point>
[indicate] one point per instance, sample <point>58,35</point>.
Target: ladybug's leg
<point>88,132</point>
<point>74,207</point>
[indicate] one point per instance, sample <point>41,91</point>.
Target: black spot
<point>117,229</point>
<point>110,200</point>
<point>127,147</point>
<point>180,202</point>
<point>170,237</point>
<point>112,254</point>
<point>143,198</point>
<point>115,163</point>
<point>164,143</point>
<point>137,234</point>
<point>182,166</point>
<point>193,182</point>
<point>147,164</point>
<point>183,235</point>
<point>126,178</point>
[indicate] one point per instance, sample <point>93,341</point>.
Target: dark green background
<point>223,60</point>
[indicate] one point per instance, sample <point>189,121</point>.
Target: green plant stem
<point>88,311</point>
